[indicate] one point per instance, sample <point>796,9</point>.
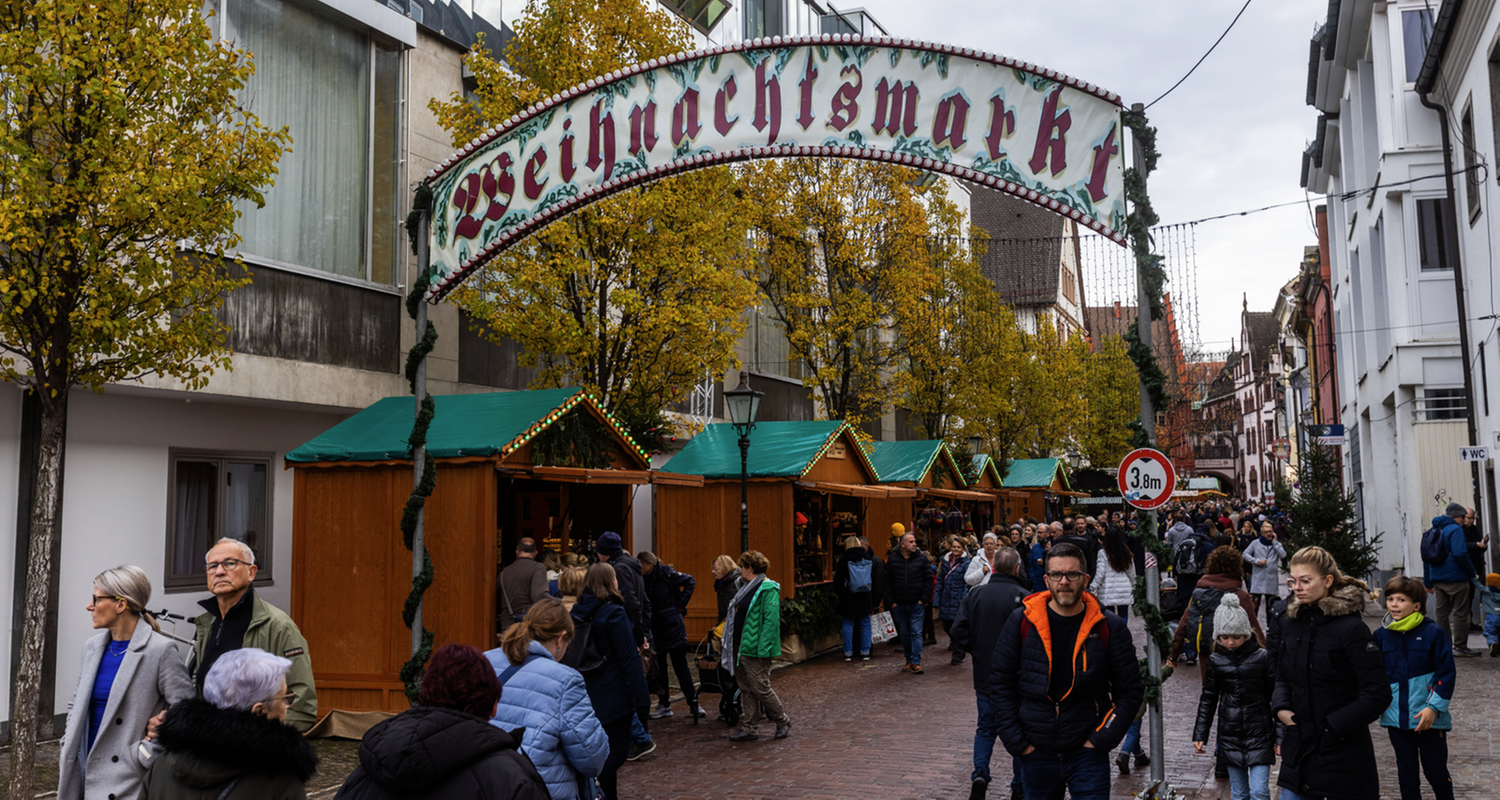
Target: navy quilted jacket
<point>1106,693</point>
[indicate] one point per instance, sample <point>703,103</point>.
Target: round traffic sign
<point>1147,479</point>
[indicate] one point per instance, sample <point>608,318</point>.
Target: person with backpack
<point>951,590</point>
<point>1448,572</point>
<point>548,701</point>
<point>856,582</point>
<point>1195,631</point>
<point>1419,665</point>
<point>1238,685</point>
<point>604,650</point>
<point>1189,557</point>
<point>1264,555</point>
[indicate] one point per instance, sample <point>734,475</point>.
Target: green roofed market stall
<point>1036,488</point>
<point>939,502</point>
<point>810,486</point>
<point>548,464</point>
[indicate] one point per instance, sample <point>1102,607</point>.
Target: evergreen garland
<point>1153,277</point>
<point>411,671</point>
<point>575,440</point>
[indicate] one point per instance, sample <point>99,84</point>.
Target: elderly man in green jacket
<point>236,618</point>
<point>752,637</point>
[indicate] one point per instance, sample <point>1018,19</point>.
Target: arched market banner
<point>1032,132</point>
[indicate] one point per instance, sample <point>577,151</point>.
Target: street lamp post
<point>743,404</point>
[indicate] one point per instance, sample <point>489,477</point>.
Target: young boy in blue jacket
<point>1419,663</point>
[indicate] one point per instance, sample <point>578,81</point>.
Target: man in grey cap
<point>1449,581</point>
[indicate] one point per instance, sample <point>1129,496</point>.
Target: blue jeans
<point>1132,744</point>
<point>985,733</point>
<point>1251,783</point>
<point>638,733</point>
<point>1492,628</point>
<point>864,635</point>
<point>908,621</point>
<point>1084,773</point>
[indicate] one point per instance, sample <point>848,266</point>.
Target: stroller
<point>714,679</point>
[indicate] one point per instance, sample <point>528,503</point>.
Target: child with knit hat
<point>1238,686</point>
<point>1489,598</point>
<point>1419,665</point>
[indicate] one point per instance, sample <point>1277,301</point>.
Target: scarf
<point>1404,624</point>
<point>729,640</point>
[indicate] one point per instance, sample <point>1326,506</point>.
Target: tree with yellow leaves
<point>844,264</point>
<point>640,295</point>
<point>1112,398</point>
<point>123,149</point>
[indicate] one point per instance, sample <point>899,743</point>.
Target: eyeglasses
<point>1065,577</point>
<point>229,565</point>
<point>1293,583</point>
<point>99,598</point>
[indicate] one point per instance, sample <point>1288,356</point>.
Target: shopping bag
<point>882,627</point>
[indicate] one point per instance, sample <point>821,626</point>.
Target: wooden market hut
<point>939,490</point>
<point>810,485</point>
<point>500,476</point>
<point>1038,487</point>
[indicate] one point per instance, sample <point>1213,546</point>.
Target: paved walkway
<point>865,730</point>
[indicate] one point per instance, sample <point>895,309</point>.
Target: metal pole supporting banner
<point>1153,571</point>
<point>419,453</point>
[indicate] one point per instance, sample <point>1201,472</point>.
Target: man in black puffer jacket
<point>908,588</point>
<point>1065,684</point>
<point>981,618</point>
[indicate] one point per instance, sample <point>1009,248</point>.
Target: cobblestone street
<point>865,730</point>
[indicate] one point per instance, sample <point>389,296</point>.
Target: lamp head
<point>742,404</point>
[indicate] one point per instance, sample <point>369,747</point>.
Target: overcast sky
<point>1231,137</point>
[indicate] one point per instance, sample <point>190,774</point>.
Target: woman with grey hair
<point>234,744</point>
<point>129,672</point>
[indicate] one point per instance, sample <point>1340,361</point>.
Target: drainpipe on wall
<point>1431,63</point>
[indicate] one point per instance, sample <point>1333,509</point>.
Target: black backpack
<point>585,653</point>
<point>1200,620</point>
<point>1434,547</point>
<point>1187,558</point>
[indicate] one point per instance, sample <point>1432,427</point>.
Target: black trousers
<point>1429,749</point>
<point>948,629</point>
<point>618,733</point>
<point>684,677</point>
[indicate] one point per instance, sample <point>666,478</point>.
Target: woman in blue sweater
<point>563,737</point>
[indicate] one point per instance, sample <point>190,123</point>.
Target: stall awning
<point>464,426</point>
<point>849,489</point>
<point>958,494</point>
<point>590,476</point>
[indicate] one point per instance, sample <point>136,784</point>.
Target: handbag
<point>648,661</point>
<point>882,627</point>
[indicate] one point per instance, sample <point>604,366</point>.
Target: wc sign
<point>1473,454</point>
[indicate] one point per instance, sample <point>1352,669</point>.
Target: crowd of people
<point>1041,611</point>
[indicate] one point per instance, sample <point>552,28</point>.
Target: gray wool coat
<point>152,676</point>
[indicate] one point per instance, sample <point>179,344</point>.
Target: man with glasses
<point>236,618</point>
<point>1065,684</point>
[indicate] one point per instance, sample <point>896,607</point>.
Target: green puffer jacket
<point>762,635</point>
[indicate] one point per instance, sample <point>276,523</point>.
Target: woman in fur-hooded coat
<point>208,747</point>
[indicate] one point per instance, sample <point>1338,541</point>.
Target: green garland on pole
<point>411,671</point>
<point>1138,226</point>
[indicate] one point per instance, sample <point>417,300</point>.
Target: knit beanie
<point>897,529</point>
<point>1492,579</point>
<point>1455,510</point>
<point>609,543</point>
<point>1230,619</point>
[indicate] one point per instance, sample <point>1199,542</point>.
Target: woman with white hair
<point>129,672</point>
<point>234,744</point>
<point>982,565</point>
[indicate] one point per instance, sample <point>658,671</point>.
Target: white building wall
<point>10,466</point>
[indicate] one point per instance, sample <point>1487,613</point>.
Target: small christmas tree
<point>1322,514</point>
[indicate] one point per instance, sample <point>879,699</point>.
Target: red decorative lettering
<point>950,121</point>
<point>643,136</point>
<point>1002,126</point>
<point>1052,136</point>
<point>601,141</point>
<point>895,108</point>
<point>491,182</point>
<point>1102,154</point>
<point>767,93</point>
<point>569,167</point>
<point>846,100</point>
<point>804,92</point>
<point>530,185</point>
<point>685,125</point>
<point>722,121</point>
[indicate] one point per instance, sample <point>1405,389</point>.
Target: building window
<point>1443,404</point>
<point>335,205</point>
<point>1416,32</point>
<point>1471,175</point>
<point>213,496</point>
<point>1431,240</point>
<point>764,18</point>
